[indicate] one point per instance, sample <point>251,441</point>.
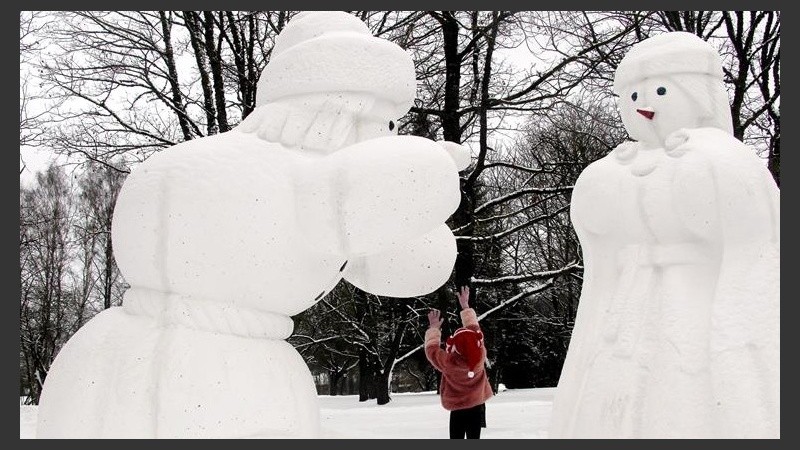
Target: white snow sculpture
<point>222,239</point>
<point>677,329</point>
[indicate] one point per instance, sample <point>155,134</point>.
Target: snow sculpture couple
<point>222,239</point>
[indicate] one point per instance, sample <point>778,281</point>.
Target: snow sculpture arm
<point>745,310</point>
<point>748,198</point>
<point>594,222</point>
<point>319,122</point>
<point>413,268</point>
<point>377,194</point>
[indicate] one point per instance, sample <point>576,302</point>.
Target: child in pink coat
<point>464,387</point>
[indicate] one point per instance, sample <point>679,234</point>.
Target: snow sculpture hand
<point>673,144</point>
<point>375,194</point>
<point>382,204</point>
<point>625,152</point>
<point>314,123</point>
<point>460,154</point>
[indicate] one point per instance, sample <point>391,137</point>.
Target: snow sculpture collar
<point>174,310</point>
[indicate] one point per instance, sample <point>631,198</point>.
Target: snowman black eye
<point>661,91</point>
<point>391,125</point>
<point>634,96</point>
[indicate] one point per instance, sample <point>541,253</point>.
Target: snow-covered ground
<point>511,414</point>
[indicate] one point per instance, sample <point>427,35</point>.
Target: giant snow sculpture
<point>677,329</point>
<point>222,239</point>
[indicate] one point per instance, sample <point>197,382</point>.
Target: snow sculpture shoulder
<point>677,330</point>
<point>223,238</point>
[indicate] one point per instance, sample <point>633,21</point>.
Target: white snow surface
<point>677,332</point>
<point>511,414</point>
<point>223,238</point>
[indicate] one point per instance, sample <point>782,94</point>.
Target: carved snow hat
<point>667,54</point>
<point>333,51</point>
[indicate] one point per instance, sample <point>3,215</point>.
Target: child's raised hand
<point>435,319</point>
<point>463,297</point>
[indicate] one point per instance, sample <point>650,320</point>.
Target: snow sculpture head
<point>668,82</point>
<point>330,83</point>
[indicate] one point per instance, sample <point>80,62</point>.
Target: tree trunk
<point>215,62</point>
<point>774,161</point>
<point>451,127</point>
<point>243,58</point>
<point>334,376</point>
<point>108,272</point>
<point>742,42</point>
<point>366,377</point>
<point>195,37</point>
<point>384,379</point>
<point>169,58</point>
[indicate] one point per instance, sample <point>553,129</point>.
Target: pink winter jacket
<point>457,389</point>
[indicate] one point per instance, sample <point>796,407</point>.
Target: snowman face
<point>373,122</point>
<point>653,108</point>
<point>323,123</point>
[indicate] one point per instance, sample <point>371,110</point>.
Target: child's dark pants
<point>467,422</point>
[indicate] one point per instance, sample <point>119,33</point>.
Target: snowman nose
<point>647,112</point>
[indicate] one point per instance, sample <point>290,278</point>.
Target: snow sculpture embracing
<point>223,238</point>
<point>677,329</point>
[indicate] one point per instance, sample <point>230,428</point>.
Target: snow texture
<point>512,414</point>
<point>223,238</point>
<point>677,332</point>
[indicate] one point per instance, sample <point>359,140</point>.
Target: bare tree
<point>116,72</point>
<point>326,337</point>
<point>47,307</point>
<point>99,187</point>
<point>127,89</point>
<point>32,26</point>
